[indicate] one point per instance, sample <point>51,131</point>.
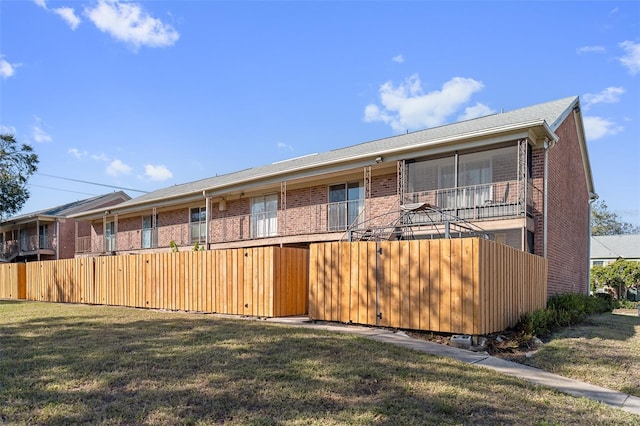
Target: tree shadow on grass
<point>126,366</point>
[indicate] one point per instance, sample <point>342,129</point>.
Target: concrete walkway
<point>540,377</point>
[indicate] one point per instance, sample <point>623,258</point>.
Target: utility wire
<point>92,183</point>
<point>60,189</point>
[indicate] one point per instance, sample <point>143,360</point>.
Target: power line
<point>60,189</point>
<point>93,183</point>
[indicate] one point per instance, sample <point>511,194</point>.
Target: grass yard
<point>604,351</point>
<point>74,364</point>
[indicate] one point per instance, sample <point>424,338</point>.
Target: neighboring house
<point>521,177</point>
<point>606,249</point>
<point>48,234</point>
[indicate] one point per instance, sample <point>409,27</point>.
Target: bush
<point>627,304</point>
<point>538,323</point>
<point>563,310</point>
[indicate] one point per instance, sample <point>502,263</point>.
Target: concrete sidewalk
<point>534,375</point>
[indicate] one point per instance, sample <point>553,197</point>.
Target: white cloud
<point>632,58</point>
<point>398,58</point>
<point>609,95</point>
<point>40,135</point>
<point>130,23</point>
<point>475,111</point>
<point>282,145</point>
<point>408,107</point>
<point>6,69</point>
<point>117,168</point>
<point>66,13</point>
<point>69,16</point>
<point>598,127</point>
<point>590,49</point>
<point>157,173</point>
<point>77,153</point>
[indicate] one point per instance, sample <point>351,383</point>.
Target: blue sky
<point>148,94</point>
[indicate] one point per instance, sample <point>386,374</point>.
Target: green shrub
<point>627,304</point>
<point>563,310</point>
<point>538,323</point>
<point>603,302</point>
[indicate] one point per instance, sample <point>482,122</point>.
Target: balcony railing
<point>9,248</point>
<point>264,224</point>
<point>29,244</point>
<point>83,245</point>
<point>477,202</point>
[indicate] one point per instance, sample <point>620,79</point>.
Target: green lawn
<point>62,364</point>
<point>604,351</point>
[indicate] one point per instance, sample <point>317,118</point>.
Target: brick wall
<point>568,214</point>
<point>65,239</point>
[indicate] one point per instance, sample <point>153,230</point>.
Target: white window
<point>149,231</point>
<point>24,240</point>
<point>346,204</point>
<point>264,216</point>
<point>110,237</point>
<point>198,224</point>
<point>43,233</point>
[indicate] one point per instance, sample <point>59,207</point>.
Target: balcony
<point>27,245</point>
<point>328,221</point>
<point>476,202</point>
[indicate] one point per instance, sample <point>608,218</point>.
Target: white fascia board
<point>477,139</point>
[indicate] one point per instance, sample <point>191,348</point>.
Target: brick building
<point>520,177</point>
<point>49,234</point>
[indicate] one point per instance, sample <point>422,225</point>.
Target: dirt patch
<point>511,345</point>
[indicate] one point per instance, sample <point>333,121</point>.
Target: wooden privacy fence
<point>264,281</point>
<point>467,286</point>
<point>13,281</point>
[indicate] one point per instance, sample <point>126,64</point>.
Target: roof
<point>615,246</point>
<point>548,115</point>
<point>68,209</point>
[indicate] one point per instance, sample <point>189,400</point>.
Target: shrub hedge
<point>564,310</point>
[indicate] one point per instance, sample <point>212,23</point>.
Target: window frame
<point>201,225</point>
<point>342,214</point>
<point>150,233</point>
<point>110,234</point>
<point>264,223</point>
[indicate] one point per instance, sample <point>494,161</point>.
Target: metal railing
<point>471,203</point>
<point>478,202</point>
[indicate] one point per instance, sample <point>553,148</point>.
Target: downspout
<point>547,146</point>
<point>592,197</point>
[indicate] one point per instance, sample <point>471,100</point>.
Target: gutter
<point>214,191</point>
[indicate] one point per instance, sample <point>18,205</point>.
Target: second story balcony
<point>477,202</point>
<point>327,221</point>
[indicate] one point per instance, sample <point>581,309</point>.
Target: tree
<point>605,222</point>
<point>17,164</point>
<point>619,275</point>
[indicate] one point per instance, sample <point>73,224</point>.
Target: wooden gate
<point>470,285</point>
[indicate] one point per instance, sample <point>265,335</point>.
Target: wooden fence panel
<point>469,286</point>
<point>10,286</point>
<point>263,281</point>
